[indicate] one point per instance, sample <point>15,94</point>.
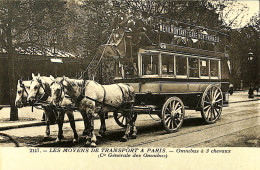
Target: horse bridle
<point>24,90</point>
<point>41,86</point>
<point>61,92</point>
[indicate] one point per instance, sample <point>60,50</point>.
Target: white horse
<point>40,91</point>
<point>22,93</point>
<point>91,97</point>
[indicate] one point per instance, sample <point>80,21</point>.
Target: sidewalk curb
<point>244,101</point>
<point>40,123</point>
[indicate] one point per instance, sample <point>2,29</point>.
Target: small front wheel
<point>121,119</point>
<point>173,114</point>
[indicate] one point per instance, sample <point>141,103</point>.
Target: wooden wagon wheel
<point>173,114</point>
<point>121,119</point>
<point>211,104</point>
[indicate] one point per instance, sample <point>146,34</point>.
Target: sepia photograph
<point>130,78</point>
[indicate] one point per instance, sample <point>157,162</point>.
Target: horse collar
<point>45,95</point>
<point>62,91</point>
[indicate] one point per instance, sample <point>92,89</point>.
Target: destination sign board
<point>187,33</point>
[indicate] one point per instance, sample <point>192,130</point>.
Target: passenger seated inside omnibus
<point>150,64</point>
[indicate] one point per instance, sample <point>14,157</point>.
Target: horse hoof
<point>46,138</point>
<point>101,133</point>
<point>84,133</point>
<point>134,136</point>
<point>123,139</point>
<point>58,140</point>
<point>93,144</point>
<point>99,137</point>
<point>75,141</point>
<point>87,143</point>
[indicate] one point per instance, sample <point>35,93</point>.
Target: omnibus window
<point>150,64</point>
<point>181,65</point>
<point>167,64</point>
<point>214,68</point>
<point>193,67</point>
<point>204,67</point>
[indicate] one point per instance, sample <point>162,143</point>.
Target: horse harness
<point>103,103</point>
<point>45,96</point>
<point>24,89</point>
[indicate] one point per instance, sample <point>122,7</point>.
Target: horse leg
<point>92,139</point>
<point>128,129</point>
<point>47,131</point>
<point>83,114</point>
<point>60,125</point>
<point>133,128</point>
<point>72,125</point>
<point>102,129</point>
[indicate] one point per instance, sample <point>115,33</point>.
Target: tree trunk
<point>11,65</point>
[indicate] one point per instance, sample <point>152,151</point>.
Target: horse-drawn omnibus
<point>169,78</point>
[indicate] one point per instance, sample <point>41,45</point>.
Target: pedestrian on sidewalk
<point>251,91</point>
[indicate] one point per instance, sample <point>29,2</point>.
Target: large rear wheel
<point>211,104</point>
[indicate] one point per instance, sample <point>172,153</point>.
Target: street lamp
<point>250,56</point>
<point>250,65</point>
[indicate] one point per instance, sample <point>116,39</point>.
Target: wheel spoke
<point>119,116</point>
<point>211,94</point>
<point>177,110</point>
<point>208,99</point>
<point>167,119</point>
<point>175,123</point>
<point>215,93</point>
<point>170,105</point>
<point>218,100</point>
<point>173,105</point>
<point>168,122</point>
<point>172,126</point>
<point>206,107</point>
<point>123,120</point>
<point>168,110</point>
<point>213,112</point>
<point>219,106</point>
<point>167,115</point>
<point>217,96</point>
<point>177,104</point>
<point>218,113</point>
<point>207,112</point>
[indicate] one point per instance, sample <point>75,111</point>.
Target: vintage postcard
<point>132,84</point>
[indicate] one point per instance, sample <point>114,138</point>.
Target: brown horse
<point>91,97</point>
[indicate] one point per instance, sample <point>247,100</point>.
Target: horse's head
<point>22,93</point>
<point>57,91</point>
<point>36,88</point>
<point>72,87</point>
